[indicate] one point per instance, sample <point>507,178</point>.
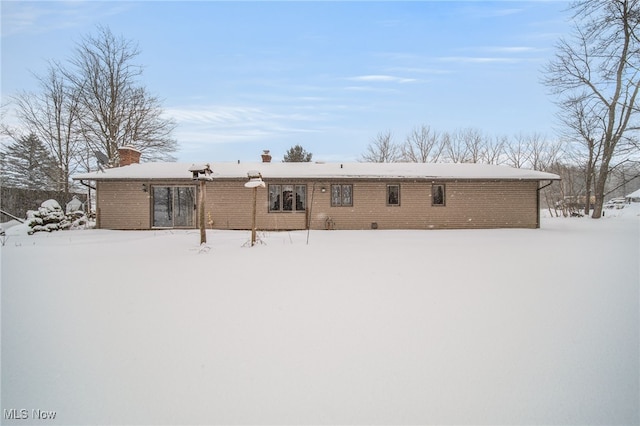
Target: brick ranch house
<point>318,195</point>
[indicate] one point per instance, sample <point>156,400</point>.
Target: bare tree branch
<point>422,145</point>
<point>382,149</point>
<point>115,110</point>
<point>596,78</point>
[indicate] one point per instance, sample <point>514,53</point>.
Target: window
<point>393,195</point>
<point>301,197</point>
<point>437,195</point>
<point>287,198</point>
<point>341,195</point>
<point>174,206</point>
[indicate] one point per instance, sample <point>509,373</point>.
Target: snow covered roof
<point>229,170</point>
<point>635,194</point>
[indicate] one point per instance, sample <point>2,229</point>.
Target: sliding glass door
<point>174,206</point>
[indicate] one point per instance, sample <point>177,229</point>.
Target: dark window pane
<point>336,197</point>
<point>301,197</point>
<point>393,195</point>
<point>438,195</point>
<point>184,206</point>
<point>347,199</point>
<point>341,195</point>
<point>274,198</point>
<point>162,206</point>
<point>287,197</point>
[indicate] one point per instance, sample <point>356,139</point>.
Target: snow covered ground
<point>377,327</point>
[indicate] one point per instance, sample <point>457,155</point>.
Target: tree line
<point>92,102</point>
<point>533,151</point>
<point>469,145</point>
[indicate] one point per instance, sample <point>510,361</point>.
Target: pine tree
<point>297,154</point>
<point>27,164</point>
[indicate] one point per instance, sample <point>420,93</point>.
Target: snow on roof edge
<point>233,170</point>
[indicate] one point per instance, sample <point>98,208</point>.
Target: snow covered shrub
<point>78,220</point>
<point>50,217</point>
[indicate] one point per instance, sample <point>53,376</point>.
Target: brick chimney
<point>128,155</point>
<point>266,157</point>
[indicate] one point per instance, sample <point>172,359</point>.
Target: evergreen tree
<point>26,163</point>
<point>297,154</point>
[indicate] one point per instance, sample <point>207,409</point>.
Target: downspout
<point>538,203</point>
<point>89,207</point>
<point>87,185</point>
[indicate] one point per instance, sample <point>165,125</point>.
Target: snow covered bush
<point>50,217</point>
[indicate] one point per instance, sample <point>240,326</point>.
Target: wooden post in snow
<point>203,231</point>
<point>255,182</point>
<point>201,173</point>
<point>253,217</point>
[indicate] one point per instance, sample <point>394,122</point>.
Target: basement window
<point>341,195</point>
<point>437,195</point>
<point>287,198</point>
<point>393,195</point>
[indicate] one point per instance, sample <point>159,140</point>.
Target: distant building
<point>634,197</point>
<point>320,196</point>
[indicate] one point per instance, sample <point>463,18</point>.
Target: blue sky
<point>240,77</point>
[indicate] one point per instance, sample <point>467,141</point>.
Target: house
<point>634,197</point>
<point>318,195</point>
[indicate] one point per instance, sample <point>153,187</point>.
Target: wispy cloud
<point>511,49</point>
<point>504,12</point>
<point>421,70</point>
<point>222,124</point>
<point>25,17</point>
<point>369,89</point>
<point>382,79</point>
<point>493,54</point>
<point>477,59</point>
<point>484,12</point>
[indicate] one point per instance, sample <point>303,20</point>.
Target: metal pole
<point>313,191</point>
<point>253,219</point>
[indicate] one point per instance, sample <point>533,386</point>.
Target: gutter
<point>86,184</point>
<point>542,187</point>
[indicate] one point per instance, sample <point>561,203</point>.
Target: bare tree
<point>115,110</point>
<point>467,145</point>
<point>475,143</point>
<point>455,148</point>
<point>494,150</point>
<point>52,114</point>
<point>382,149</point>
<point>597,73</point>
<point>518,152</point>
<point>584,129</point>
<point>422,145</point>
<point>543,153</point>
